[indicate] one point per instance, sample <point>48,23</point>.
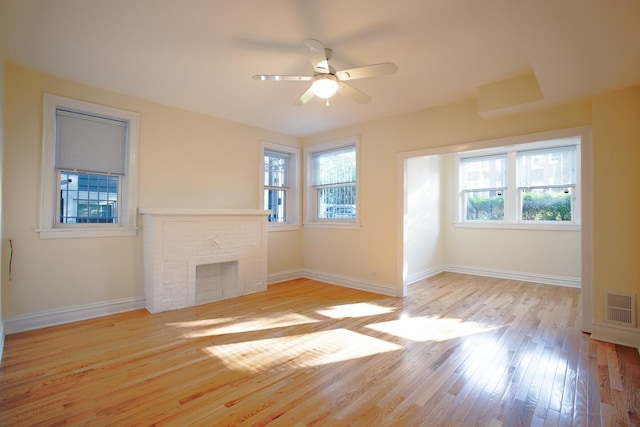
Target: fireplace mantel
<point>178,241</point>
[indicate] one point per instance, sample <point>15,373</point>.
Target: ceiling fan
<point>326,81</point>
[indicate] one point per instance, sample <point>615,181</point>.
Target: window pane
<point>483,172</point>
<point>276,166</point>
<point>88,198</point>
<point>484,205</point>
<point>337,202</point>
<point>542,168</point>
<point>275,201</point>
<point>335,167</point>
<point>546,204</point>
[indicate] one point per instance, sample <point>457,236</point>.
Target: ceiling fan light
<point>325,86</point>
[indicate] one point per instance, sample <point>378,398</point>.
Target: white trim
<point>201,211</point>
<point>334,279</point>
<point>1,339</point>
<point>70,233</point>
<point>529,225</point>
<point>281,227</point>
<point>422,275</point>
<point>327,224</point>
<point>615,334</point>
<point>48,185</point>
<point>60,316</point>
<point>283,276</point>
<point>402,207</point>
<point>350,282</point>
<point>570,282</point>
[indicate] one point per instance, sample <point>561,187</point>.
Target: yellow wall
<point>356,253</point>
<point>616,198</point>
<point>186,160</point>
<point>539,252</point>
<point>423,242</point>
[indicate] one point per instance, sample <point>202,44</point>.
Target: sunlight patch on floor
<point>421,329</point>
<point>202,322</point>
<point>300,351</point>
<point>239,326</point>
<point>361,309</point>
<point>489,363</point>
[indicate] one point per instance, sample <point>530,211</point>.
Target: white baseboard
<point>72,314</point>
<point>283,276</point>
<point>615,334</point>
<point>350,282</point>
<point>416,277</point>
<point>571,282</point>
<point>334,279</point>
<point>47,318</point>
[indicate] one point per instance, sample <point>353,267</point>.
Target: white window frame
<point>311,220</point>
<point>510,147</point>
<point>293,192</point>
<point>464,191</point>
<point>49,228</point>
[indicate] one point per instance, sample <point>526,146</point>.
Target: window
<point>484,181</point>
<point>279,180</point>
<point>546,183</point>
<point>88,170</point>
<point>88,198</point>
<point>332,183</point>
<point>530,184</point>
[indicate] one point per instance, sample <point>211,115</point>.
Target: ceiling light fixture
<point>325,86</point>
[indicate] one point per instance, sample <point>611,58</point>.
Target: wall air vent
<point>621,309</point>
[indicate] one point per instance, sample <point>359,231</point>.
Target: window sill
<point>342,225</point>
<point>282,227</point>
<point>519,226</point>
<point>72,233</point>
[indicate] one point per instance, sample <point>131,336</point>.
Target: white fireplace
<point>196,256</point>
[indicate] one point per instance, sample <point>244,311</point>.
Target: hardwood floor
<point>459,350</point>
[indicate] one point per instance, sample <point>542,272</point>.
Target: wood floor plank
<point>458,350</point>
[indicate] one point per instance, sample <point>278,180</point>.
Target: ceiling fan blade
<point>353,93</point>
<point>317,55</point>
<point>367,71</point>
<point>276,77</point>
<point>306,97</point>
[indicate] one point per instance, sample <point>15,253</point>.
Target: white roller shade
<point>487,172</point>
<point>553,167</point>
<point>89,143</point>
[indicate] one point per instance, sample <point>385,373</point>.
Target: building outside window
<point>88,198</point>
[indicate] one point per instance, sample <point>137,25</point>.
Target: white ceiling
<point>200,54</point>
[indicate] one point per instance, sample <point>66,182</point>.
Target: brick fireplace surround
<point>187,250</point>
